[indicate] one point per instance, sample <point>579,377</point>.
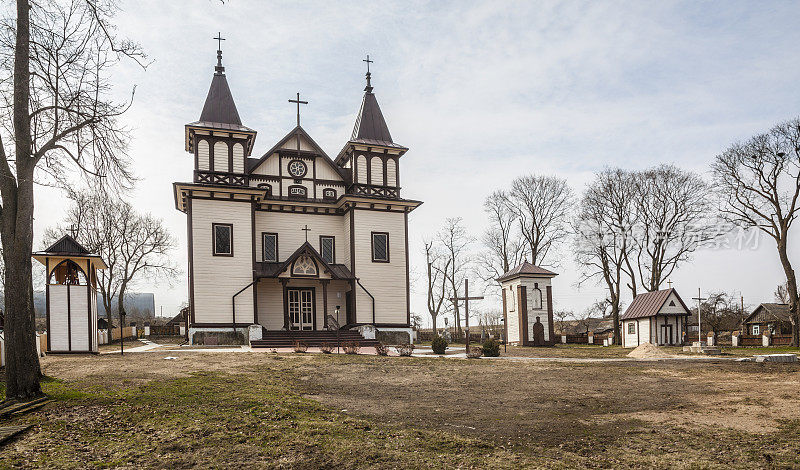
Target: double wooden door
<point>301,309</point>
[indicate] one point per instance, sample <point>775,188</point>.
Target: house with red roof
<point>658,317</point>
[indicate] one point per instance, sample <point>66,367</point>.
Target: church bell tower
<point>218,141</point>
<point>371,155</point>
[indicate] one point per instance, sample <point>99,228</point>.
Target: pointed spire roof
<point>370,127</point>
<point>220,107</point>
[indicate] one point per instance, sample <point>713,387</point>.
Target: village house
<point>657,317</point>
<point>769,317</point>
<point>294,240</point>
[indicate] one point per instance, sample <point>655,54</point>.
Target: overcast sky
<point>480,92</point>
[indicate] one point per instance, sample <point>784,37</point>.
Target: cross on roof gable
<point>291,135</point>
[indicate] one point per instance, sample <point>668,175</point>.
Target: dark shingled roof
<point>219,107</point>
<point>769,312</point>
<point>370,126</point>
<point>649,303</point>
<point>68,246</point>
<point>526,268</point>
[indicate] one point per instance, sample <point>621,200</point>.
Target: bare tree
<point>781,294</point>
<point>606,215</point>
<point>437,282</point>
<point>720,312</point>
<point>133,245</point>
<point>759,181</point>
<point>541,205</point>
<point>455,246</point>
<point>561,317</point>
<point>58,112</point>
<point>672,207</point>
<point>503,245</point>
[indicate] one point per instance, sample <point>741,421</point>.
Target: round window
<point>297,168</point>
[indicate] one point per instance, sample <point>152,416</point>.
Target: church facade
<point>294,240</point>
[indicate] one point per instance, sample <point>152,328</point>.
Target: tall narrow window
<point>380,247</point>
<point>327,248</point>
<point>537,297</point>
<point>270,244</point>
<point>223,239</point>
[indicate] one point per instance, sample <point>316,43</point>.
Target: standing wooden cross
<point>466,300</point>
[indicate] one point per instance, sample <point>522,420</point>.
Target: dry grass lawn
<point>218,410</point>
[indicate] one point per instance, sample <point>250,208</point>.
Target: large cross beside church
<point>466,300</point>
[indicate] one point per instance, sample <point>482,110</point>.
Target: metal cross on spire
<point>306,229</point>
<point>219,68</point>
<point>219,39</point>
<point>368,89</point>
<point>299,102</point>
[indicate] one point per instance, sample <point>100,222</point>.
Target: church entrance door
<point>666,334</point>
<point>301,309</point>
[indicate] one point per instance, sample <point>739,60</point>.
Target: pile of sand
<point>647,350</point>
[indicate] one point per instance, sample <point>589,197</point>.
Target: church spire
<point>220,107</point>
<point>370,125</point>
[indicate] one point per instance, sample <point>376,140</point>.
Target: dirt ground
<point>367,411</point>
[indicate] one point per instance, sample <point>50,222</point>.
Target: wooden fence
<point>126,332</point>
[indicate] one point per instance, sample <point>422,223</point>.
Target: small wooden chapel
<point>71,293</point>
<point>528,305</point>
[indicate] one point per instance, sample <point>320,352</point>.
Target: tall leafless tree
<point>602,228</point>
<point>437,281</point>
<point>455,242</point>
<point>759,182</point>
<point>56,114</point>
<point>542,207</point>
<point>781,294</point>
<point>673,209</point>
<point>133,245</point>
<point>503,247</point>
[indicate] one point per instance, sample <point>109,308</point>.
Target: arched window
<point>304,266</point>
<point>221,157</point>
<point>67,272</point>
<point>266,186</point>
<point>202,154</point>
<point>376,171</point>
<point>536,297</point>
<point>298,192</point>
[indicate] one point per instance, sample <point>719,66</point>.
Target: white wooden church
<point>292,239</point>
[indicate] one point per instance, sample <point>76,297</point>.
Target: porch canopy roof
<point>283,269</point>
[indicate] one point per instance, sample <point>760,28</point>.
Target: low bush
<point>327,348</point>
<point>439,345</point>
<point>300,347</point>
<point>475,352</point>
<point>491,348</point>
<point>382,349</point>
<point>404,349</point>
<point>351,348</point>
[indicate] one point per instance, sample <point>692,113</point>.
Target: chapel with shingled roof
<point>293,244</point>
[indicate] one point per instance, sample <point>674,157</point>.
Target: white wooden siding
<point>59,328</point>
<point>361,169</point>
<point>79,317</point>
<point>511,307</point>
<point>676,308</point>
<point>385,281</point>
<point>291,144</point>
<point>217,278</point>
<point>202,154</point>
<point>345,257</point>
<point>290,236</point>
<point>377,171</point>
<point>238,158</point>
<point>325,170</point>
<point>391,173</point>
<point>270,304</point>
<point>221,156</point>
<point>530,284</point>
<point>269,166</point>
